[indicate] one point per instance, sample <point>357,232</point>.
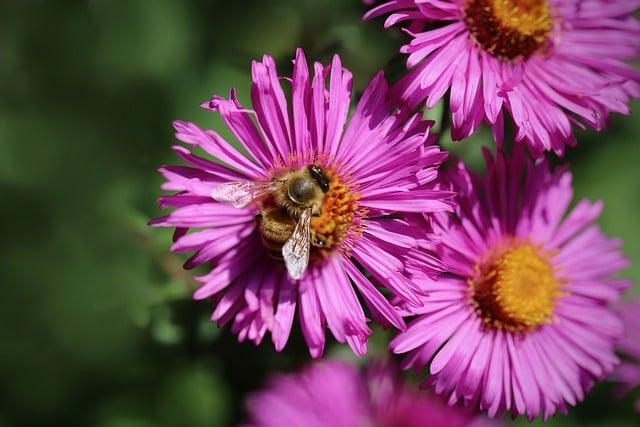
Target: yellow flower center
<point>508,29</point>
<point>339,208</point>
<point>515,287</point>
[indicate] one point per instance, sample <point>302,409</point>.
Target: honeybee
<point>286,204</point>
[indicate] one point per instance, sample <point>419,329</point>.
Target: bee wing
<point>240,194</point>
<point>296,251</point>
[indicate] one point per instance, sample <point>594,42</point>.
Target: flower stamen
<point>508,29</point>
<point>339,209</point>
<point>516,287</point>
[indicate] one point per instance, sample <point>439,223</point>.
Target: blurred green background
<point>97,327</point>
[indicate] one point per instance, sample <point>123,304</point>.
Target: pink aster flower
<point>548,63</point>
<point>521,321</point>
<point>336,394</point>
<point>289,225</point>
<point>628,373</point>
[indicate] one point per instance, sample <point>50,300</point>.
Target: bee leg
<point>259,219</point>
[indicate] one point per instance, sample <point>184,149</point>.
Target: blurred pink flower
<point>379,171</point>
<point>521,321</point>
<point>548,63</point>
<point>628,373</point>
<point>336,394</point>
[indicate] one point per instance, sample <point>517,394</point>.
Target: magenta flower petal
<point>521,322</point>
<point>550,64</point>
<point>379,168</point>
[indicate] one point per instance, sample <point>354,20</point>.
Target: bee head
<point>301,190</point>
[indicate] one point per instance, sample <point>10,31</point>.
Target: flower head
<point>628,373</point>
<point>548,63</point>
<point>521,321</point>
<point>289,226</point>
<point>336,394</point>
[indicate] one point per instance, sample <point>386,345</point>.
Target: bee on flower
<point>291,226</point>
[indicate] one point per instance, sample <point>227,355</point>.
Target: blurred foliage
<point>96,324</point>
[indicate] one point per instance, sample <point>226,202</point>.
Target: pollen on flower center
<point>515,288</point>
<point>508,29</point>
<point>339,210</point>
